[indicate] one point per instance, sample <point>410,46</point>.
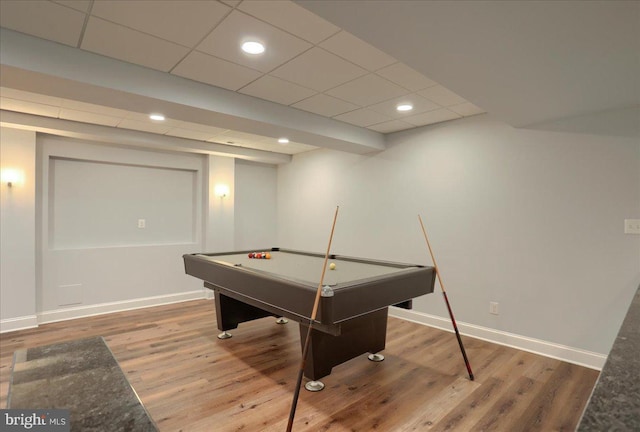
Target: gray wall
<point>92,196</point>
<point>255,209</point>
<point>70,244</point>
<point>17,229</point>
<point>530,219</point>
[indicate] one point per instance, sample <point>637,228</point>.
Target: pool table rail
<point>293,298</point>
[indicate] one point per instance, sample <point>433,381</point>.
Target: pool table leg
<point>231,312</point>
<point>364,334</point>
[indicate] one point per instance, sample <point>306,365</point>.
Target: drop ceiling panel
<point>277,90</point>
<point>212,130</point>
<point>28,107</point>
<point>292,18</point>
<point>419,103</point>
<point>406,77</point>
<point>215,71</point>
<point>144,117</point>
<point>319,70</point>
<point>431,117</point>
<point>87,117</point>
<point>356,51</point>
<point>225,41</point>
<point>190,134</point>
<point>290,148</point>
<point>259,142</point>
<point>184,22</point>
<point>367,90</point>
<point>80,5</point>
<point>391,126</point>
<point>235,137</point>
<point>43,19</point>
<point>158,128</point>
<point>362,117</point>
<point>441,96</point>
<point>92,108</point>
<point>30,97</point>
<point>324,105</point>
<point>119,42</point>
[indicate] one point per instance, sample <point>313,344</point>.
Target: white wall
<point>96,204</point>
<point>530,219</point>
<point>220,211</point>
<point>17,231</point>
<point>82,270</point>
<point>255,205</point>
<point>70,245</point>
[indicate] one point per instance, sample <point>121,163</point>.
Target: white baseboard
<point>19,323</point>
<point>119,306</point>
<point>31,321</point>
<point>569,354</point>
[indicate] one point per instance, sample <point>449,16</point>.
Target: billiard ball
<point>251,255</point>
<point>267,255</point>
<point>332,266</point>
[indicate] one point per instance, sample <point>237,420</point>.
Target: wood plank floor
<point>191,381</point>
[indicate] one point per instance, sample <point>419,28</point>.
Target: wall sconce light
<point>221,190</point>
<point>12,176</point>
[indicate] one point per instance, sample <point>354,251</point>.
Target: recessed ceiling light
<point>283,140</point>
<point>157,117</point>
<point>253,47</point>
<point>404,107</point>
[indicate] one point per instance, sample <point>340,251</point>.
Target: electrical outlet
<point>493,308</point>
<point>142,223</point>
<point>632,226</point>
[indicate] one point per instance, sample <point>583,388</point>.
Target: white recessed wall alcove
<point>113,225</point>
<point>98,204</point>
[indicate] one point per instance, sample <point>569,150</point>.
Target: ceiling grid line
<point>200,41</point>
<point>84,25</point>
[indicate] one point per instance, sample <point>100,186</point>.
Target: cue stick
<point>314,312</point>
<point>444,294</point>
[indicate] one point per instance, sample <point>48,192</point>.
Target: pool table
<point>352,315</point>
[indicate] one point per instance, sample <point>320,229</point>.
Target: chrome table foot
<point>314,386</point>
<point>376,357</point>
